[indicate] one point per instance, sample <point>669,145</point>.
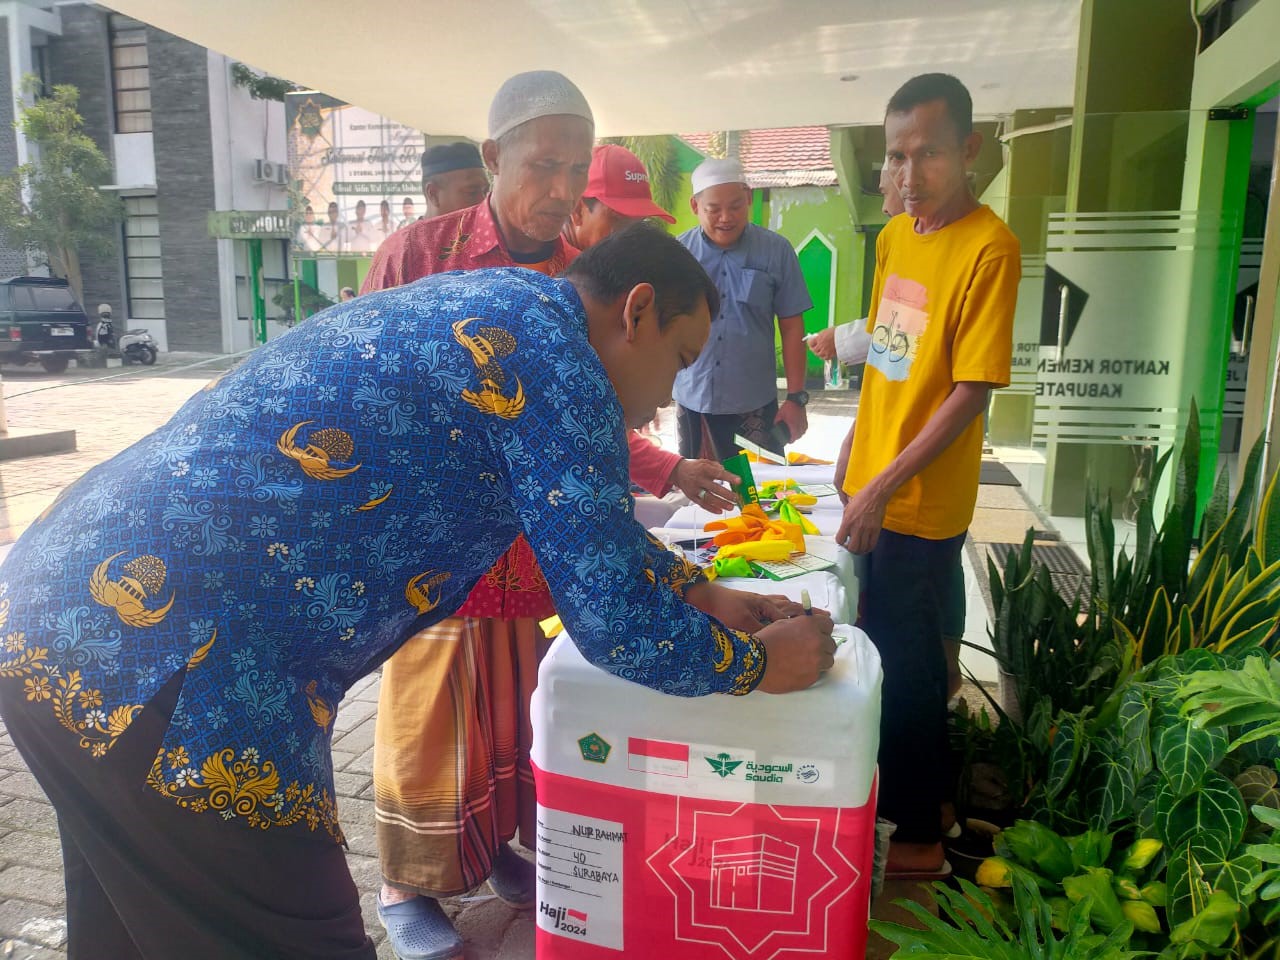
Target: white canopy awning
<point>646,66</point>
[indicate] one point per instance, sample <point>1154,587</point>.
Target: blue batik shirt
<point>758,278</point>
<point>303,515</point>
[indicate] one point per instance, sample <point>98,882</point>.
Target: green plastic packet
<point>733,567</point>
<point>740,466</point>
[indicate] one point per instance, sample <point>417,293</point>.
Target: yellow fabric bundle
<point>756,550</point>
<point>755,527</point>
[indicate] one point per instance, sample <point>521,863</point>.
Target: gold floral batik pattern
<point>76,707</point>
<point>241,785</point>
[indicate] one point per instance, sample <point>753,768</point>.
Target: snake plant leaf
<point>1209,822</point>
<point>1203,602</point>
<point>1215,511</point>
<point>1267,533</point>
<point>1249,628</point>
<point>1156,628</point>
<point>1185,752</point>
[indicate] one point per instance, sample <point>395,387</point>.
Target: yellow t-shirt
<point>942,313</point>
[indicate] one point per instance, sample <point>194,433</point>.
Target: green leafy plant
<point>53,207</point>
<point>1170,596</point>
<point>1071,869</point>
<point>1054,648</point>
<point>1178,767</point>
<point>661,162</point>
<point>261,86</point>
<point>1164,597</point>
<point>972,925</point>
<point>310,299</point>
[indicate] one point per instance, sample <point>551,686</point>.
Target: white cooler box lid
<point>816,747</point>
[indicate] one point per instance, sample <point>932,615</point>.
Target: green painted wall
<point>795,212</point>
<point>688,159</point>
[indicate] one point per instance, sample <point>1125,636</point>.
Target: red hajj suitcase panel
<point>625,872</point>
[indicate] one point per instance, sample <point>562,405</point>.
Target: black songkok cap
<point>448,157</point>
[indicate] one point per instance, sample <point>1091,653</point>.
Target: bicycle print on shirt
<point>901,321</point>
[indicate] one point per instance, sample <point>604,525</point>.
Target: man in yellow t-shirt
<point>941,330</point>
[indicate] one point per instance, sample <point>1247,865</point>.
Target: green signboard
<point>250,225</point>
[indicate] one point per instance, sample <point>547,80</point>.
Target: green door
<point>818,262</point>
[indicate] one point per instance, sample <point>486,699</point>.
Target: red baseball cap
<point>619,180</point>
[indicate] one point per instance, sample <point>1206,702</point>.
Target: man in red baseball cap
<point>617,194</point>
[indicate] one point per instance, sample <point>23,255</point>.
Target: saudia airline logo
<point>723,764</point>
<point>572,923</point>
<point>636,176</point>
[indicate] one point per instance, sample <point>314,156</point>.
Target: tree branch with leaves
<point>53,207</point>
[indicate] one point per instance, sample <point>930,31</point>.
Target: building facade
<point>185,142</point>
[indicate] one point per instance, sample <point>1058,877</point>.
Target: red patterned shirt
<point>469,239</point>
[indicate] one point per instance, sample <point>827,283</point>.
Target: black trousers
<point>148,880</point>
<point>710,435</point>
<point>904,590</point>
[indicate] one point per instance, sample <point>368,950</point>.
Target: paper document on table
<point>797,566</point>
<point>818,489</point>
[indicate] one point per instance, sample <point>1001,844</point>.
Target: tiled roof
<point>781,157</point>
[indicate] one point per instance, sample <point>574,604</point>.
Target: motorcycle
<point>135,346</point>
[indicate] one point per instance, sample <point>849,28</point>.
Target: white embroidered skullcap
<point>538,93</point>
<point>713,172</point>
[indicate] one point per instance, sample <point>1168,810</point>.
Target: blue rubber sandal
<point>419,930</point>
<point>513,879</point>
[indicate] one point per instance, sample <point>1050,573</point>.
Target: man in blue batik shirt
<point>178,628</point>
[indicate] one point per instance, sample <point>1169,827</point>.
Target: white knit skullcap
<point>538,93</point>
<point>713,172</point>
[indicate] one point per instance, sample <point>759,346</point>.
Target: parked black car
<point>40,321</point>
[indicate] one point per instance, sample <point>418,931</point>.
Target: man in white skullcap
<point>451,776</point>
<point>731,388</point>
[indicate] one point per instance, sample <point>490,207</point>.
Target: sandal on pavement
<point>920,876</point>
<point>419,930</point>
<point>513,879</point>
